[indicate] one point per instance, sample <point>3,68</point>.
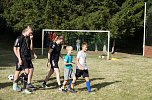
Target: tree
<point>122,18</point>
<point>128,19</point>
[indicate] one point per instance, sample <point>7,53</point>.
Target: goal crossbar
<point>92,31</point>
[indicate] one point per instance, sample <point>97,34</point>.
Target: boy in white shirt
<point>82,68</point>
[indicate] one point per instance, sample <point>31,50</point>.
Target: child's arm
<point>31,46</point>
<point>65,63</point>
<point>17,53</point>
<point>49,55</point>
<point>78,64</point>
<point>16,50</point>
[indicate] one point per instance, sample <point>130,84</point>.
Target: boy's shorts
<point>26,63</point>
<point>68,73</point>
<point>83,73</point>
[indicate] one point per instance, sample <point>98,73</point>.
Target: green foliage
<point>120,17</point>
<point>128,19</point>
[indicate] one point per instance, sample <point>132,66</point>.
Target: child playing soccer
<point>68,69</point>
<point>82,68</point>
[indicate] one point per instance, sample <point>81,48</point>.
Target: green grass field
<point>129,78</point>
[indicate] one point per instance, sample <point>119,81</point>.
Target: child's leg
<point>65,83</point>
<point>75,77</point>
<point>48,75</point>
<point>30,75</point>
<point>88,84</point>
<point>72,83</point>
<point>86,76</point>
<point>16,75</point>
<point>19,78</point>
<point>57,72</point>
<point>25,78</point>
<point>16,79</point>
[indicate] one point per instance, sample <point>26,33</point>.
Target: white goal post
<point>91,31</point>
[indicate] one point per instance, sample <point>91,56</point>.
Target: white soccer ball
<point>103,57</point>
<point>99,56</point>
<point>10,77</point>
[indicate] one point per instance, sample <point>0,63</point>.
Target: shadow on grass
<point>54,85</point>
<point>50,84</point>
<point>3,68</point>
<point>100,85</point>
<point>52,78</point>
<point>6,84</point>
<point>80,81</point>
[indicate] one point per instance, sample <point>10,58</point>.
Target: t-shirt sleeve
<point>66,59</point>
<point>17,42</point>
<point>79,55</point>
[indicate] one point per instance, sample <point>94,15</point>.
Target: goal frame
<point>91,31</point>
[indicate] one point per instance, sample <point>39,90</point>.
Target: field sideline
<point>129,78</point>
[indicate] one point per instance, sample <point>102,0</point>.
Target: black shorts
<point>83,73</point>
<point>26,63</point>
<point>54,64</point>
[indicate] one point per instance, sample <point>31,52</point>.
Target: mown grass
<point>129,78</point>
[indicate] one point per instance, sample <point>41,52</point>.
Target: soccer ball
<point>99,56</point>
<point>103,57</point>
<point>10,77</point>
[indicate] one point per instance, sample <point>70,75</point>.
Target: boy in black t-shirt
<point>22,49</point>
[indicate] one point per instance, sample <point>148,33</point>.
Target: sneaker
<point>65,88</point>
<point>26,91</point>
<point>30,86</point>
<point>91,92</point>
<point>62,90</point>
<point>16,87</point>
<point>71,90</point>
<point>45,86</point>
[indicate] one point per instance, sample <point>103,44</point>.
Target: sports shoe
<point>26,91</point>
<point>65,88</point>
<point>30,86</point>
<point>62,90</point>
<point>71,90</point>
<point>91,92</point>
<point>44,86</point>
<point>16,87</point>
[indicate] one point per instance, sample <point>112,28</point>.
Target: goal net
<point>98,40</point>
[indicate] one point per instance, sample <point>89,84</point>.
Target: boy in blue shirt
<point>68,70</point>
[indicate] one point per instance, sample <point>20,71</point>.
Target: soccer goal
<point>98,40</point>
<point>147,37</point>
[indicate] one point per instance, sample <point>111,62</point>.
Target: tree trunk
<point>96,47</point>
<point>113,47</point>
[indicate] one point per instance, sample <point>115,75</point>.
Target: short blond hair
<point>69,48</point>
